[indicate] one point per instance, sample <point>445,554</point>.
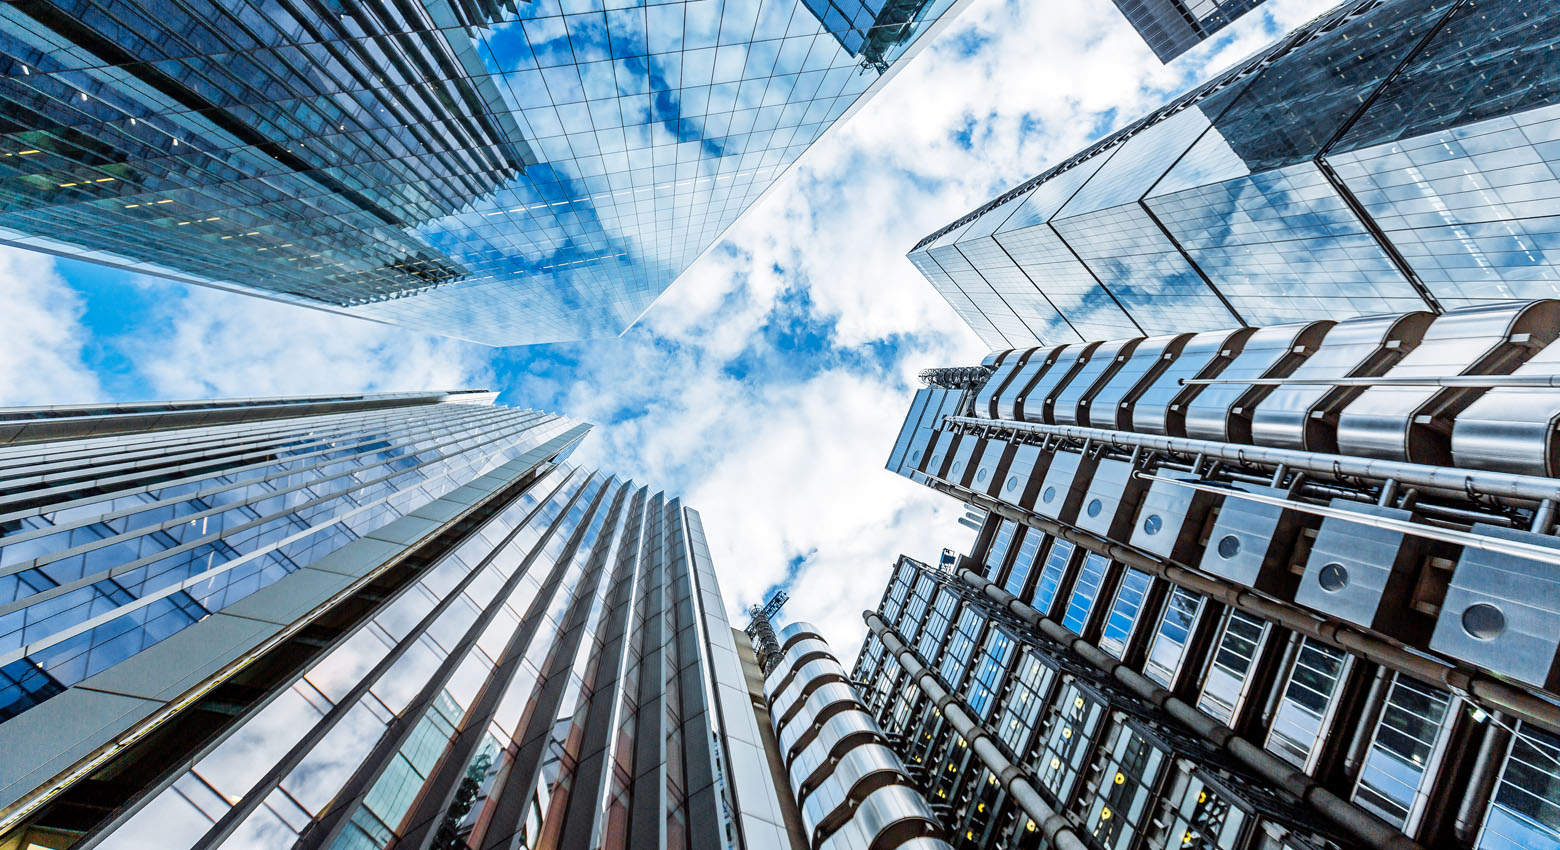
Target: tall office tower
<point>1256,588</point>
<point>501,172</point>
<point>1392,155</point>
<point>1172,27</point>
<point>359,622</point>
<point>853,791</point>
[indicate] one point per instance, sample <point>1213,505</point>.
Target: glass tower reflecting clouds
<point>1172,27</point>
<point>1392,155</point>
<point>505,172</point>
<point>354,622</point>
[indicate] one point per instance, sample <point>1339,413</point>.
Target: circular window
<point>958,467</point>
<point>981,475</point>
<point>1483,621</point>
<point>915,456</point>
<point>1012,483</point>
<point>1229,546</point>
<point>1333,577</point>
<point>1152,524</point>
<point>1049,495</point>
<point>1095,506</point>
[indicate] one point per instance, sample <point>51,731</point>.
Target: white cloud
<point>207,343</point>
<point>41,360</point>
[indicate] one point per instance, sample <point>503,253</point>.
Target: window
<point>1124,612</point>
<point>1233,656</point>
<point>999,547</point>
<point>915,609</point>
<point>1072,728</point>
<point>897,592</point>
<point>989,670</point>
<point>1085,590</point>
<point>936,631</point>
<point>1129,784</point>
<point>1525,811</point>
<point>1403,755</point>
<point>1024,561</point>
<point>1051,577</point>
<point>1175,628</point>
<point>956,659</point>
<point>1025,699</point>
<point>1307,704</point>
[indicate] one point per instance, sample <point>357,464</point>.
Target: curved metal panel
<point>1113,403</point>
<point>1009,362</point>
<point>838,732</point>
<point>796,630</point>
<point>859,771</point>
<point>1223,411</point>
<point>1070,404</point>
<point>1304,416</point>
<point>1413,423</point>
<point>1003,405</point>
<point>893,813</point>
<point>1513,429</point>
<point>827,700</point>
<point>797,654</point>
<point>809,678</point>
<point>1159,408</point>
<point>1033,402</point>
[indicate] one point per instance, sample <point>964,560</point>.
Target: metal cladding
<point>357,622</point>
<point>1314,180</point>
<point>1362,573</point>
<point>1071,402</point>
<point>1340,628</point>
<point>1503,613</point>
<point>853,791</point>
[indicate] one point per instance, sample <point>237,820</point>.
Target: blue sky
<point>768,383</point>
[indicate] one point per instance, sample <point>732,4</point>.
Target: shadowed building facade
<point>357,622</point>
<point>1172,27</point>
<point>1392,155</point>
<point>503,172</point>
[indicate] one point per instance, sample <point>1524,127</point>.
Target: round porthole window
<point>1152,523</point>
<point>1049,495</point>
<point>1012,483</point>
<point>1333,577</point>
<point>982,474</point>
<point>1483,621</point>
<point>1095,506</point>
<point>1229,546</point>
<point>915,456</point>
<point>958,467</point>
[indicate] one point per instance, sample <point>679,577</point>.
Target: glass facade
<point>1326,177</point>
<point>471,643</point>
<point>502,172</point>
<point>1172,27</point>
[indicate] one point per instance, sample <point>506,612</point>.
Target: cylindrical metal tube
<point>1504,485</point>
<point>1361,824</point>
<point>1481,782</point>
<point>1057,830</point>
<point>1474,381</point>
<point>1492,693</point>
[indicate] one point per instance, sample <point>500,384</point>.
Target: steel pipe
<point>1368,828</point>
<point>1056,828</point>
<point>1475,381</point>
<point>1506,485</point>
<point>1491,693</point>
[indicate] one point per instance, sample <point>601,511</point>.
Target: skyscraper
<point>1286,587</point>
<point>502,172</point>
<point>1172,27</point>
<point>356,621</point>
<point>1392,155</point>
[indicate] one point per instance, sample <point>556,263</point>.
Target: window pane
<point>1164,655</point>
<point>1124,613</point>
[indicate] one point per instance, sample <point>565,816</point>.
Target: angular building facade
<point>358,622</point>
<point>501,172</point>
<point>1286,587</point>
<point>1392,155</point>
<point>1172,27</point>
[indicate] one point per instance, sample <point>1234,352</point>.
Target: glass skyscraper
<point>1172,27</point>
<point>359,621</point>
<point>1392,155</point>
<point>1279,588</point>
<point>504,172</point>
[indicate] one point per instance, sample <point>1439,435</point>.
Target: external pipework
<point>1493,694</point>
<point>1056,828</point>
<point>1369,829</point>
